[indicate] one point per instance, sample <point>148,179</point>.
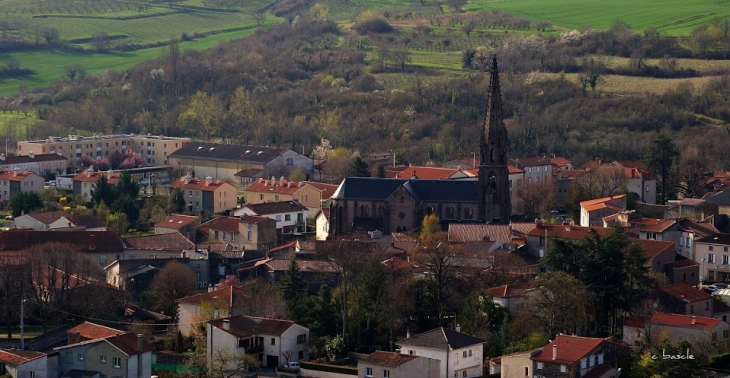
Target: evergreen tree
<point>127,185</point>
<point>358,168</point>
<point>25,202</point>
<point>177,200</point>
<point>293,287</point>
<point>126,205</point>
<point>659,159</point>
<point>381,171</point>
<point>102,191</point>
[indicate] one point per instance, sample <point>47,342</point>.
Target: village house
<point>16,363</point>
<point>592,212</point>
<point>210,195</point>
<point>714,254</point>
<point>680,298</point>
<point>14,181</point>
<point>40,164</point>
<point>517,364</point>
<point>394,365</point>
<point>84,182</point>
<point>275,342</point>
<point>308,193</point>
<point>573,357</point>
<point>59,220</point>
<point>460,355</point>
<point>508,296</point>
<point>322,224</point>
<point>315,272</point>
<point>290,216</point>
<point>161,246</point>
<point>689,231</point>
<point>101,247</point>
<point>246,232</point>
<point>121,355</point>
<point>228,301</point>
<point>187,225</point>
<point>676,327</point>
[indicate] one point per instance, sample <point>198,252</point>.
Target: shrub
<point>373,25</point>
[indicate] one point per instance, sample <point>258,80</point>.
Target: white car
<point>293,365</point>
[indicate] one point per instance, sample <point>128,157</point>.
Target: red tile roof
<point>601,200</point>
<point>227,224</point>
<point>128,343</point>
<point>92,331</point>
<point>274,186</point>
<point>512,169</point>
<point>111,177</point>
<point>635,321</point>
<point>13,175</point>
<point>177,221</point>
<point>509,290</point>
<point>600,206</point>
<point>397,263</point>
<point>18,357</point>
<point>233,296</point>
<point>560,162</point>
<point>459,233</point>
<point>174,241</point>
<point>677,320</point>
<point>531,162</point>
<point>659,225</point>
<point>565,231</point>
<point>242,326</point>
<point>570,349</point>
<point>686,292</point>
<point>387,359</point>
<point>304,265</point>
<point>291,244</point>
<point>198,184</point>
<point>654,248</point>
<point>326,190</point>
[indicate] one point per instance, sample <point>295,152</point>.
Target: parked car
<point>292,365</point>
<point>721,285</point>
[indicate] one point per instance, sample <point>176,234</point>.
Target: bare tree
<point>173,282</point>
<point>14,284</point>
<point>439,258</point>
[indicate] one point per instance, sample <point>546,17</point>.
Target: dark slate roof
<point>722,198</point>
<point>85,241</point>
<point>443,190</point>
<point>367,188</point>
<point>276,207</point>
<point>228,152</point>
<point>242,326</point>
<point>723,239</point>
<point>441,338</point>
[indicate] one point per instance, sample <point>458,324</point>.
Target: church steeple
<point>493,181</point>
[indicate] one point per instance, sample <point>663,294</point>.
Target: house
<point>40,164</point>
<point>689,231</point>
<point>394,365</point>
<point>290,216</point>
<point>714,254</point>
<point>680,298</point>
<point>308,193</point>
<point>676,328</point>
<point>459,354</point>
<point>121,355</point>
<point>538,239</point>
<point>658,253</point>
<point>561,164</point>
<point>659,230</point>
<point>509,295</point>
<point>209,195</point>
<point>238,163</point>
<point>102,247</point>
<point>274,341</point>
<point>315,272</point>
<point>573,356</point>
<point>85,181</point>
<point>246,232</point>
<point>136,275</point>
<point>592,212</point>
<point>15,363</point>
<point>160,246</point>
<point>721,200</point>
<point>59,220</point>
<point>187,225</point>
<point>514,233</point>
<point>155,148</point>
<point>322,224</point>
<point>636,179</point>
<point>517,364</point>
<point>683,270</point>
<point>425,173</point>
<point>229,301</point>
<point>16,181</point>
<point>89,331</point>
<point>692,208</point>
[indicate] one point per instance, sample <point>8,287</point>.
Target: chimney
<point>261,179</point>
<point>288,184</point>
<point>458,328</point>
<point>78,337</point>
<point>301,183</point>
<point>281,181</point>
<point>31,155</point>
<point>211,287</point>
<point>227,324</point>
<point>408,333</point>
<point>15,172</point>
<point>208,180</point>
<point>555,352</point>
<point>694,320</point>
<point>90,171</point>
<point>140,343</point>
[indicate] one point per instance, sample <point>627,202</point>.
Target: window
<point>714,336</point>
<point>724,260</point>
<point>301,354</point>
<point>386,373</point>
<point>81,356</point>
<point>278,217</point>
<point>583,363</point>
<point>711,248</point>
<point>273,341</point>
<point>261,197</point>
<point>117,362</point>
<point>215,234</point>
<point>689,242</point>
<point>463,373</point>
<point>289,161</point>
<point>301,339</point>
<point>600,358</point>
<point>32,374</point>
<point>539,366</point>
<point>250,236</point>
<point>647,188</point>
<point>233,237</point>
<point>707,306</point>
<point>469,352</point>
<point>102,359</point>
<point>681,241</point>
<point>464,354</point>
<point>562,368</point>
<point>287,217</point>
<point>725,334</point>
<point>724,249</point>
<point>411,352</point>
<point>527,371</point>
<point>710,257</point>
<point>691,309</point>
<point>368,372</point>
<point>190,193</point>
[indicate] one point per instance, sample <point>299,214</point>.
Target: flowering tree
<point>127,159</point>
<point>101,163</point>
<point>322,151</point>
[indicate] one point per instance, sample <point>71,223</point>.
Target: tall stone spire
<point>493,177</point>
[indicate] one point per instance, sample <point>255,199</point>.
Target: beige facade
<point>38,164</point>
<point>407,367</point>
<point>713,254</point>
<point>516,365</point>
<point>309,194</point>
<point>244,233</point>
<point>207,194</point>
<point>154,148</point>
<point>16,181</point>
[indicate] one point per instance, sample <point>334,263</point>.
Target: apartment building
<point>215,196</point>
<point>38,164</point>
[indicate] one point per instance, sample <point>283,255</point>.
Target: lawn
<point>49,65</point>
<point>673,17</point>
<point>19,121</point>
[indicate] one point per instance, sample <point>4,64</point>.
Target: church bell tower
<point>493,181</point>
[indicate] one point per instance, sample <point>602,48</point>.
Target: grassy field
<point>18,121</point>
<point>632,85</point>
<point>674,17</point>
<point>49,65</point>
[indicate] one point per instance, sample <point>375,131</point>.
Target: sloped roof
<point>678,320</point>
<point>48,217</point>
<point>459,232</point>
<point>600,200</point>
<point>18,357</point>
<point>125,342</point>
<point>686,292</point>
<point>509,290</point>
<point>700,229</point>
<point>90,241</point>
<point>387,359</point>
<point>682,262</point>
<point>598,371</point>
<point>88,221</point>
<point>443,190</point>
<point>196,183</point>
<point>111,177</point>
<point>560,161</point>
<point>280,207</point>
<point>274,186</point>
<point>228,152</point>
<point>10,160</point>
<point>13,175</point>
<point>531,162</point>
<point>721,198</point>
<point>660,225</point>
<point>441,338</point>
<point>304,265</point>
<point>173,241</point>
<point>570,349</point>
<point>228,224</point>
<point>231,295</point>
<point>242,326</point>
<point>423,173</point>
<point>326,190</point>
<point>92,331</point>
<point>367,188</point>
<point>566,231</point>
<point>654,248</point>
<point>715,239</point>
<point>177,221</point>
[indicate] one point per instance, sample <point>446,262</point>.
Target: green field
<point>673,17</point>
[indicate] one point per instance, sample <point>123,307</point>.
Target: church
<point>395,205</point>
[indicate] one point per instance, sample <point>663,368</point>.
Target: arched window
<point>468,213</point>
<point>450,212</point>
<point>363,211</point>
<point>289,161</point>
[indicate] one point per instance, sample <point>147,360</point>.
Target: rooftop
<point>459,232</point>
<point>92,176</point>
<point>228,152</point>
<point>242,326</point>
<point>269,208</point>
<point>174,241</point>
<point>91,331</point>
<point>509,290</point>
<point>569,349</point>
<point>10,160</point>
<point>687,321</point>
<point>193,183</point>
<point>686,292</point>
<point>723,239</point>
<point>387,359</point>
<point>15,174</point>
<point>177,221</point>
<point>441,338</point>
<point>231,295</point>
<point>18,357</point>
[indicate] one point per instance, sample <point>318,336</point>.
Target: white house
<point>27,364</point>
<point>275,341</point>
<point>675,327</point>
<point>122,355</point>
<point>229,301</point>
<point>459,354</point>
<point>56,220</point>
<point>322,223</point>
<point>394,365</point>
<point>592,212</point>
<point>290,216</point>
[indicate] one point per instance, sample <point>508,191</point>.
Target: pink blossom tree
<point>127,159</point>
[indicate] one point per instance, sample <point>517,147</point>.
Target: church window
<point>468,213</point>
<point>491,156</point>
<point>450,212</point>
<point>363,211</point>
<point>401,215</point>
<point>402,199</point>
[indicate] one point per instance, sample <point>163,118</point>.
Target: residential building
<point>683,270</point>
<point>573,357</point>
<point>426,173</point>
<point>460,355</point>
<point>322,224</point>
<point>680,298</point>
<point>16,363</point>
<point>121,355</point>
<point>539,238</point>
<point>290,216</point>
<point>136,275</point>
<point>308,193</point>
<point>89,331</point>
<point>511,234</point>
<point>160,246</point>
<point>692,208</point>
<point>237,163</point>
<point>101,247</point>
<point>229,301</point>
<point>394,365</point>
<point>246,232</point>
<point>689,231</point>
<point>155,149</point>
<point>636,179</point>
<point>675,327</point>
<point>187,225</point>
<point>721,200</point>
<point>517,364</point>
<point>714,254</point>
<point>16,181</point>
<point>209,195</point>
<point>84,182</point>
<point>592,212</point>
<point>315,272</point>
<point>537,170</point>
<point>560,164</point>
<point>271,340</point>
<point>40,164</point>
<point>59,220</point>
<point>509,295</point>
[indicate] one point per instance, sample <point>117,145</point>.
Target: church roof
<point>367,188</point>
<point>374,188</point>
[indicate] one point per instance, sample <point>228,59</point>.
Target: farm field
<point>633,85</point>
<point>673,17</point>
<point>18,121</point>
<point>49,65</point>
<point>699,65</point>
